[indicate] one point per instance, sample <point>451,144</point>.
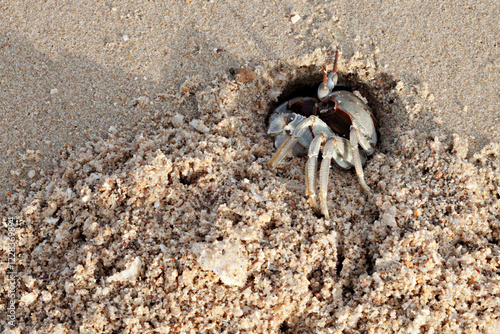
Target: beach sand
<point>135,154</point>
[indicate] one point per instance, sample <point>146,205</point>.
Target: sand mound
<point>184,228</point>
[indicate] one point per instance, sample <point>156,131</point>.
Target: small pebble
<point>244,74</point>
<point>198,125</point>
<point>295,18</point>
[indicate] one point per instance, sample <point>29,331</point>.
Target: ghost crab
<point>336,123</point>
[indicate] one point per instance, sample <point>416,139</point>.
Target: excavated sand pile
<point>184,228</point>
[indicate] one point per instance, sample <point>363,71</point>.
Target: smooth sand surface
<point>137,162</point>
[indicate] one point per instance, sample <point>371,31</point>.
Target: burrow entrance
<point>379,91</point>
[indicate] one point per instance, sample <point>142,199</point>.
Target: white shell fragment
<point>131,273</point>
<point>295,18</point>
<point>29,298</point>
<point>198,125</point>
<point>226,259</point>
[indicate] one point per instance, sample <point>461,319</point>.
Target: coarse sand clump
<point>185,229</point>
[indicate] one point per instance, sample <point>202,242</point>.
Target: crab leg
<point>324,173</point>
<point>353,138</point>
<point>290,142</point>
<point>311,164</point>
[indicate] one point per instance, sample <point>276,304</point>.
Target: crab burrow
<point>336,123</point>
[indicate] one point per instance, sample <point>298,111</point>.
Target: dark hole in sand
<point>386,110</point>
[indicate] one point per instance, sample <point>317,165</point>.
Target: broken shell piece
<point>227,259</point>
<point>295,18</point>
<point>129,274</point>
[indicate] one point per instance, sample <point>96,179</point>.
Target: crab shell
<point>337,111</point>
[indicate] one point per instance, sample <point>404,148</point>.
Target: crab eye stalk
<point>333,77</point>
<point>323,90</point>
<point>335,61</point>
<point>332,80</point>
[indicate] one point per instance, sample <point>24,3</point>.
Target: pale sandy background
<point>69,72</point>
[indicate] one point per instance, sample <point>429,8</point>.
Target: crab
<point>336,123</point>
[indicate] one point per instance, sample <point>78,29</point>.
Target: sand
<point>135,159</point>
